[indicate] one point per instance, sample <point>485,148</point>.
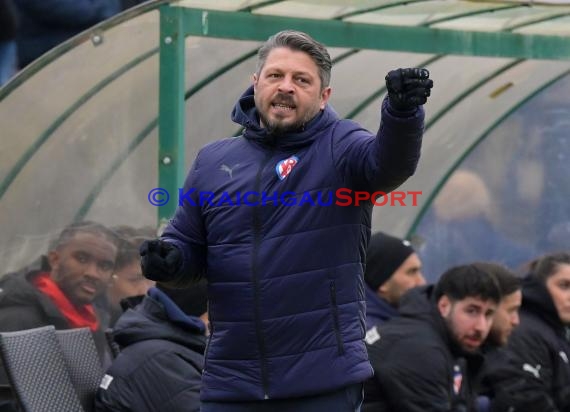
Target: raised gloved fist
<point>408,88</point>
<point>160,260</point>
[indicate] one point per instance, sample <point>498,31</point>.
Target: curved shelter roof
<point>95,124</point>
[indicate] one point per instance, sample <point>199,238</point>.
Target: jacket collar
<point>245,113</point>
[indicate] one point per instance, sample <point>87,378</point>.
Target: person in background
<point>505,320</point>
<point>392,268</point>
<point>127,280</point>
<point>539,348</point>
<point>162,344</point>
<point>428,358</point>
<point>60,288</point>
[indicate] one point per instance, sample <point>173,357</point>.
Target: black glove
<point>408,88</point>
<point>160,261</point>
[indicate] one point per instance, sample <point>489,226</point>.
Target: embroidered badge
<point>372,335</point>
<point>284,167</point>
<point>457,379</point>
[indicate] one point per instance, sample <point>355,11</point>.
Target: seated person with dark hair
<point>127,280</point>
<point>505,320</point>
<point>162,344</point>
<point>60,289</point>
<point>428,357</point>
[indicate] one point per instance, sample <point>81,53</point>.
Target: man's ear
<point>444,306</point>
<point>254,80</point>
<point>53,259</point>
<point>325,96</point>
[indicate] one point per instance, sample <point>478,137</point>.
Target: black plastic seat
<point>37,371</point>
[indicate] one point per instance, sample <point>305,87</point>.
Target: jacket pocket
<point>336,321</point>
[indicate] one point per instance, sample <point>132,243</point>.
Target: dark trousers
<point>348,399</point>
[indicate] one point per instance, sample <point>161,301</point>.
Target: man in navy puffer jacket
<point>262,220</point>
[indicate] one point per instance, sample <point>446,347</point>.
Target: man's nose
<point>286,85</point>
<point>93,270</point>
<point>420,280</point>
<point>515,319</point>
<point>483,323</point>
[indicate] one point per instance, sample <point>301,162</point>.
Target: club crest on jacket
<point>285,166</point>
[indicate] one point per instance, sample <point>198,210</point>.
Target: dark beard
<point>277,130</point>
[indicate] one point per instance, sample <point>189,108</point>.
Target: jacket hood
<point>16,288</point>
<point>245,114</point>
<point>377,308</point>
<point>419,303</point>
<point>150,320</point>
<point>537,300</point>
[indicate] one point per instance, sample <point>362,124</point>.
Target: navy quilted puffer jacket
<point>285,270</point>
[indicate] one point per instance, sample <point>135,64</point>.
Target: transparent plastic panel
<point>508,200</point>
<point>502,19</point>
<point>461,126</point>
<point>554,27</point>
<point>421,13</point>
<point>359,76</point>
<point>73,76</point>
<point>68,126</point>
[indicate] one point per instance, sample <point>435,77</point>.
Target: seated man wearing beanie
<point>162,344</point>
<point>392,268</point>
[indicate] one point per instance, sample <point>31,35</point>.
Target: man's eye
<point>106,267</point>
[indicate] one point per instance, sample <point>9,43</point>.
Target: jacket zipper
<point>255,274</point>
<point>336,322</point>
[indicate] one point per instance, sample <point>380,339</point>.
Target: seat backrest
<point>37,371</point>
<point>83,363</point>
<point>113,346</point>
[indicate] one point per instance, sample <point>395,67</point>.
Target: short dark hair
<point>545,266</point>
<point>298,41</point>
<point>130,240</point>
<point>465,281</point>
<point>84,227</point>
<point>508,282</point>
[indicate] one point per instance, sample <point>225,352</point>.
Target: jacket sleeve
<point>166,383</point>
<point>187,231</point>
<point>523,380</point>
<point>412,381</point>
<point>70,13</point>
<point>382,162</point>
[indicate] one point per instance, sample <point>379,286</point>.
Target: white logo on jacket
<point>534,370</point>
<point>372,335</point>
<point>229,170</point>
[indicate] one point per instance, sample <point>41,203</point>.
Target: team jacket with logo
<point>535,376</point>
<point>285,270</point>
<point>417,366</point>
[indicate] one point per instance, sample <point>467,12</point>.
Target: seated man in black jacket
<point>162,344</point>
<point>426,359</point>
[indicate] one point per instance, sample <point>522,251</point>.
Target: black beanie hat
<point>384,256</point>
<point>192,300</point>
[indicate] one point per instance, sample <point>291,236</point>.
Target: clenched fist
<point>160,260</point>
<point>408,88</point>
